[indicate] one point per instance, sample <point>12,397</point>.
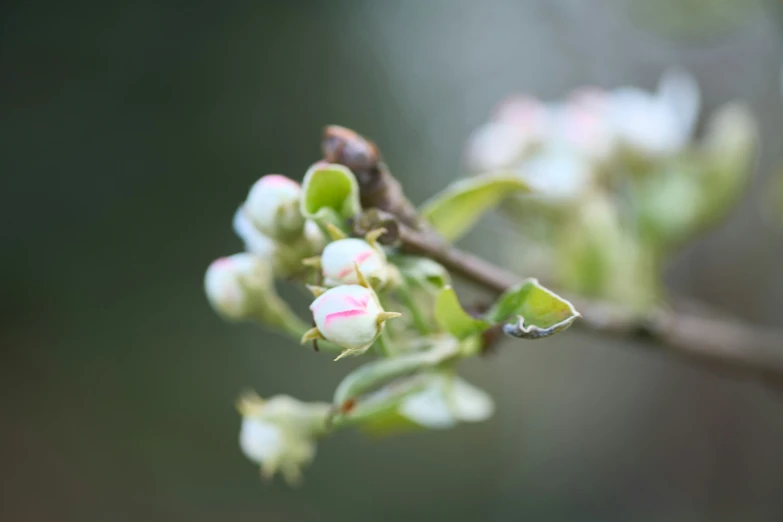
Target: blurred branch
<point>709,339</point>
<point>720,342</point>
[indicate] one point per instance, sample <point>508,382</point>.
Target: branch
<point>720,342</point>
<point>717,342</point>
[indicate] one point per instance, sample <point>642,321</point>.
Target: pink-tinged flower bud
<point>340,259</point>
<point>273,206</point>
<point>349,316</point>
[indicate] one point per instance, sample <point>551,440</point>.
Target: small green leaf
<point>330,195</point>
<point>539,311</point>
<point>452,318</point>
<point>729,152</point>
<point>455,210</point>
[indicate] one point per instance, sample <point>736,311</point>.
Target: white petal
<point>255,241</point>
<point>557,173</point>
<point>680,91</point>
<point>429,408</point>
<point>496,145</point>
<point>471,404</point>
<point>260,441</point>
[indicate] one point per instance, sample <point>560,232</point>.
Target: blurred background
<point>132,130</point>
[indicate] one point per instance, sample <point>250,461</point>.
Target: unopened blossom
<point>234,284</point>
<point>272,205</point>
<point>340,259</point>
<point>349,316</point>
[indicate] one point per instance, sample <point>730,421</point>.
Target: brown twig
<point>720,342</point>
<point>717,342</point>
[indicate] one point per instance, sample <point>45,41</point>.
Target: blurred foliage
<point>618,181</point>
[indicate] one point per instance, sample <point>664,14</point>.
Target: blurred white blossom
<point>568,140</point>
<point>445,401</point>
<point>280,433</point>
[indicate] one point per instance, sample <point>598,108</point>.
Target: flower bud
<point>350,317</point>
<point>280,433</point>
<point>242,287</point>
<point>273,206</point>
<point>233,284</point>
<point>340,259</point>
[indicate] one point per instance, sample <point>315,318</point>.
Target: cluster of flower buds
<point>300,233</point>
<point>279,240</point>
<point>276,239</point>
<point>555,146</point>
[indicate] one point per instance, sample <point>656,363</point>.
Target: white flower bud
<point>233,284</point>
<point>340,258</point>
<point>273,206</point>
<point>349,316</point>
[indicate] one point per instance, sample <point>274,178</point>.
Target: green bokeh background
<point>131,131</point>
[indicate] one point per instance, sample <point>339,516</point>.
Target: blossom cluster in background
<point>556,146</point>
<point>618,179</point>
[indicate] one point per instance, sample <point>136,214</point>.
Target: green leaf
<point>539,311</point>
<point>730,149</point>
<point>455,210</point>
<point>330,195</point>
<point>452,318</point>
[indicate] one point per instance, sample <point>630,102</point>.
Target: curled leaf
<point>539,312</point>
<point>455,210</point>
